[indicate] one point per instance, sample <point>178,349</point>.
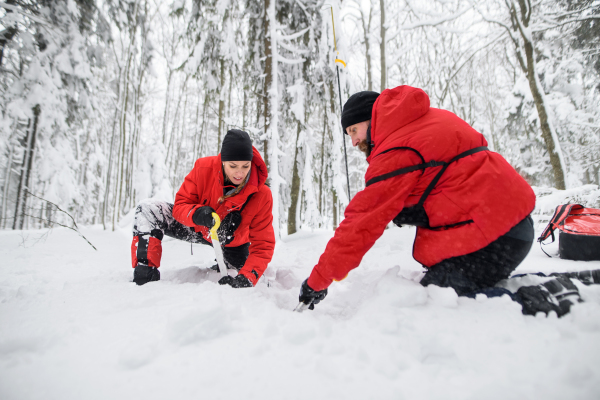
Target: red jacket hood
<point>394,109</point>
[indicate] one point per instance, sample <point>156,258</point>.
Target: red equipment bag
<point>579,236</point>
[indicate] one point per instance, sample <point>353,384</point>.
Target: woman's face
<point>236,171</point>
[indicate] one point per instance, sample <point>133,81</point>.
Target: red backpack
<point>579,236</point>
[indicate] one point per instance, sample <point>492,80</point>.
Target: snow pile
<point>547,199</point>
<point>73,326</point>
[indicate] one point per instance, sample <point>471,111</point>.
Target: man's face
<point>358,135</point>
<point>358,132</point>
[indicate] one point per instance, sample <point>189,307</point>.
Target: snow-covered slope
<point>73,326</point>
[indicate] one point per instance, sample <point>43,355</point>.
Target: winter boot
<point>143,274</point>
<point>556,295</point>
<point>586,277</point>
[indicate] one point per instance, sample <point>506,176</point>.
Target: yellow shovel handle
<point>213,230</point>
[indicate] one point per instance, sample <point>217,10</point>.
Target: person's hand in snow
<point>239,281</point>
<point>310,296</point>
<point>203,216</point>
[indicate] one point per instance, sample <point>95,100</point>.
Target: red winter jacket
<point>204,185</point>
<point>481,193</point>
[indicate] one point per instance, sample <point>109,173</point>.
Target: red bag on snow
<point>579,236</point>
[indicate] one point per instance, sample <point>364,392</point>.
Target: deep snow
<point>73,326</point>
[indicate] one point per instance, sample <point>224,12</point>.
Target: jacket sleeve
<point>262,240</point>
<point>187,198</point>
<point>366,217</point>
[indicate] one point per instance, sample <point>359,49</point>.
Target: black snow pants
<point>154,219</point>
<point>479,272</point>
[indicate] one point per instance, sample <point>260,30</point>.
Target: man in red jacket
<point>429,168</point>
<point>232,184</point>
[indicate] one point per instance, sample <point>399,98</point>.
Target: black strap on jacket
<point>423,166</point>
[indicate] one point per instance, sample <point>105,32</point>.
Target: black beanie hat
<point>358,108</point>
<point>237,146</point>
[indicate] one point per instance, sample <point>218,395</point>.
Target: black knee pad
<point>235,257</point>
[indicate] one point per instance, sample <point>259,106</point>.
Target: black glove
<point>228,226</point>
<point>309,296</point>
<point>203,216</point>
<point>239,281</point>
<point>143,274</point>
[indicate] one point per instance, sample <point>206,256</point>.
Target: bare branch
<point>74,228</point>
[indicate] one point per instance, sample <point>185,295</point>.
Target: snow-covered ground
<point>73,326</point>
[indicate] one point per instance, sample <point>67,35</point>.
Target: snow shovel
<point>301,307</point>
<point>217,245</point>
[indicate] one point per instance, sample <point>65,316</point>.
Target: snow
<point>73,326</point>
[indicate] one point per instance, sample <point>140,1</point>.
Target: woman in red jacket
<point>232,184</point>
<point>429,168</point>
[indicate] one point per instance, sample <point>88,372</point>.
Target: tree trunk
<point>335,208</point>
<point>229,93</point>
<point>203,132</point>
<point>366,30</point>
<point>268,79</point>
<point>548,132</point>
<point>244,107</point>
<point>273,114</point>
<point>221,125</point>
<point>167,103</point>
<point>24,184</point>
<point>321,170</point>
<point>110,164</point>
<point>295,189</point>
<point>335,198</point>
<point>197,132</point>
<point>382,47</point>
<point>117,203</point>
<point>7,176</point>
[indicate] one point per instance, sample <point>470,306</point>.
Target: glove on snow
<point>143,274</point>
<point>310,296</point>
<point>203,216</point>
<point>239,281</point>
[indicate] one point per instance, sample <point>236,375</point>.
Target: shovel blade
<point>219,256</point>
<point>301,307</point>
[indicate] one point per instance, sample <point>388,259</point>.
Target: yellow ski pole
<point>337,70</point>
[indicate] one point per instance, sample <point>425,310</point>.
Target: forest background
<point>106,102</point>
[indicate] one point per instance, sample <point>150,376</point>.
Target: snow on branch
<point>552,23</point>
<point>293,35</point>
<point>284,60</point>
<point>292,48</point>
<point>431,22</point>
<point>19,11</point>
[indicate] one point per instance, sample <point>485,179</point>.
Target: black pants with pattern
<point>479,271</point>
<point>154,219</point>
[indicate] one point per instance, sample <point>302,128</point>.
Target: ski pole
<point>217,245</point>
<point>337,69</point>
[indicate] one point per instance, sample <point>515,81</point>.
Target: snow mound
<point>73,326</point>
